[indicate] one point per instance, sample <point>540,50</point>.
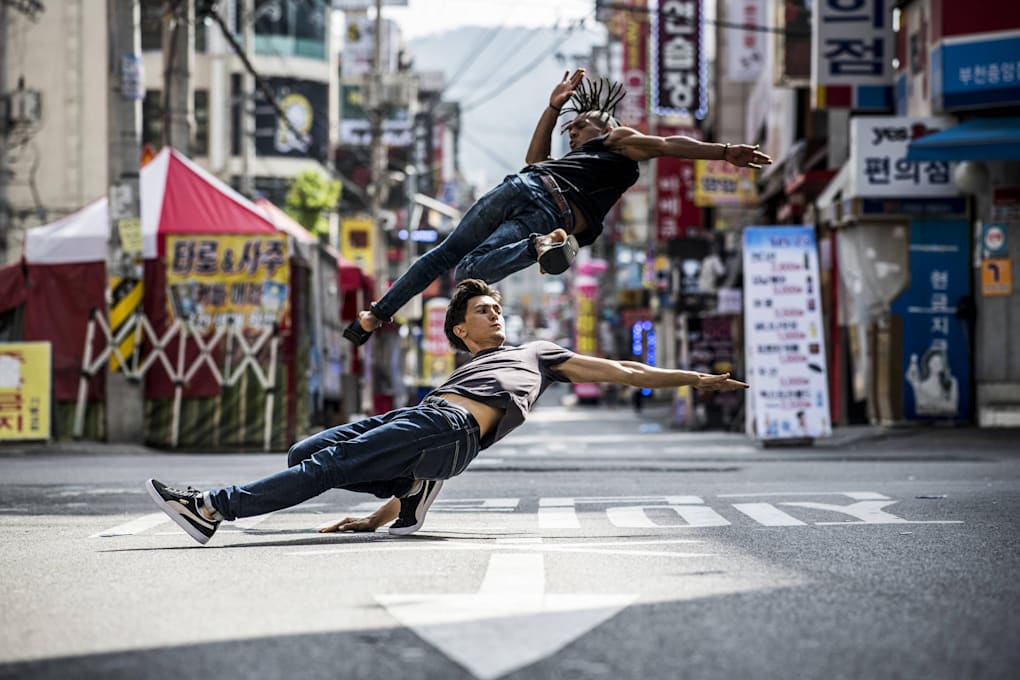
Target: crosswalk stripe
<point>135,526</point>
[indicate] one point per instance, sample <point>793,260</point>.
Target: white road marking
<point>557,513</point>
<point>768,515</point>
<point>595,548</point>
<point>510,623</point>
<point>854,495</point>
<point>247,522</point>
<point>636,517</point>
<point>135,526</point>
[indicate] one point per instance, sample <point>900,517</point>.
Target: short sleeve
<point>550,355</point>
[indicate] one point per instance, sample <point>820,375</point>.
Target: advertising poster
<point>306,105</point>
<point>437,354</point>
<point>783,335</point>
<point>219,277</point>
<point>25,379</point>
<point>720,183</point>
<point>936,355</point>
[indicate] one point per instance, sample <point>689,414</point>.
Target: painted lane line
<point>135,526</point>
<point>557,513</point>
<point>768,515</point>
<point>510,623</point>
<point>853,495</point>
<point>636,517</point>
<point>600,548</point>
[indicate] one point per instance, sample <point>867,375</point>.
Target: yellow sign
<point>437,355</point>
<point>219,278</point>
<point>356,241</point>
<point>997,277</point>
<point>25,377</point>
<point>130,236</point>
<point>720,183</point>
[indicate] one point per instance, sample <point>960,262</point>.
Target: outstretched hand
<point>564,90</point>
<point>747,156</point>
<point>718,383</point>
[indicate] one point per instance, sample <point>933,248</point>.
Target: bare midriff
<point>486,416</point>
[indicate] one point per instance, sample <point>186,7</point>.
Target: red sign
<point>676,215</point>
<point>633,110</point>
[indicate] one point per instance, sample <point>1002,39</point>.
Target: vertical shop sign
<point>25,379</point>
<point>746,54</point>
<point>437,356</point>
<point>676,215</point>
<point>678,60</point>
<point>936,376</point>
<point>852,48</point>
<point>783,335</point>
<point>633,110</point>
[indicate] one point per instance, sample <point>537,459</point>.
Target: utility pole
<point>378,150</point>
<point>178,48</point>
<point>125,90</point>
<point>4,117</point>
<point>246,12</point>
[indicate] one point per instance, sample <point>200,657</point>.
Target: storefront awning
<point>980,139</point>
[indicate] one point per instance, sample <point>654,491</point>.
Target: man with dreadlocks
<point>551,207</point>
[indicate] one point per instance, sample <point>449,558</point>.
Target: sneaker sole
<point>177,517</point>
<point>424,509</point>
<point>558,258</point>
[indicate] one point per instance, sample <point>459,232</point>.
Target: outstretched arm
<point>541,139</point>
<point>641,147</point>
<point>386,513</point>
<point>581,369</point>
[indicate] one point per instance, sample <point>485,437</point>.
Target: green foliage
<point>310,198</point>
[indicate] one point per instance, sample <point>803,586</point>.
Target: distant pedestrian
<point>553,206</point>
<point>406,454</point>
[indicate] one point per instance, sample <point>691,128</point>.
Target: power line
<point>488,152</point>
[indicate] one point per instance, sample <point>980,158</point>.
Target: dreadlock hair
<point>599,97</point>
<point>467,290</point>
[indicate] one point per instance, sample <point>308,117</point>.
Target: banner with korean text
<point>878,158</point>
<point>784,342</point>
<point>219,278</point>
<point>852,46</point>
<point>25,380</point>
<point>722,183</point>
<point>676,215</point>
<point>633,110</point>
<point>679,71</point>
<point>746,55</point>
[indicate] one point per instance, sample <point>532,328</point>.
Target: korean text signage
<point>678,62</point>
<point>721,183</point>
<point>983,72</point>
<point>936,371</point>
<point>437,355</point>
<point>879,158</point>
<point>25,378</point>
<point>746,54</point>
<point>218,278</point>
<point>784,341</point>
<point>676,215</point>
<point>633,110</point>
<point>852,48</point>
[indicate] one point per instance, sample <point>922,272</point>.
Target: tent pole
<point>83,381</point>
<point>271,389</point>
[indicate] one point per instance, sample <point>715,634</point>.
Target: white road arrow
<point>509,623</point>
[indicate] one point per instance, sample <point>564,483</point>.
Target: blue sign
<point>977,72</point>
<point>936,351</point>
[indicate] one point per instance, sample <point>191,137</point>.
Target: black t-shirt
<point>508,378</point>
<point>593,178</point>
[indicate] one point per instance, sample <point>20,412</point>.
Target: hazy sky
<point>422,17</point>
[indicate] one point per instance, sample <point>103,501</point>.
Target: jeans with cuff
<point>382,455</point>
<point>490,243</point>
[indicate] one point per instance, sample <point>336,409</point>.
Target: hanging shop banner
<point>633,109</point>
<point>217,279</point>
<point>878,158</point>
<point>676,214</point>
<point>747,45</point>
<point>357,242</point>
<point>722,183</point>
<point>305,132</point>
<point>852,45</point>
<point>936,355</point>
<point>25,379</point>
<point>784,341</point>
<point>678,61</point>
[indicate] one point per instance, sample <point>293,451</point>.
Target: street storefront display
<point>25,376</point>
<point>216,279</point>
<point>936,350</point>
<point>784,341</point>
<point>720,183</point>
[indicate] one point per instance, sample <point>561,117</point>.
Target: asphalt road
<point>590,544</point>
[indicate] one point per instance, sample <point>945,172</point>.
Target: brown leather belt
<point>566,213</point>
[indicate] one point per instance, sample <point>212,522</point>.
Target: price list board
<point>783,335</point>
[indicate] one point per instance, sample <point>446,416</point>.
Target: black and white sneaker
<point>182,507</point>
<point>414,506</point>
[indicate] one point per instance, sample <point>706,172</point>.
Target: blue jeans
<point>490,243</point>
<point>382,455</point>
